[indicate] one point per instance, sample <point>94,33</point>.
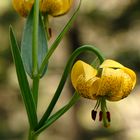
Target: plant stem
<point>23,82</point>
<point>32,136</point>
<point>35,38</point>
<point>35,89</point>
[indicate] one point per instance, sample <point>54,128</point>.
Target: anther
<point>50,32</point>
<point>93,114</point>
<point>100,116</point>
<point>108,116</point>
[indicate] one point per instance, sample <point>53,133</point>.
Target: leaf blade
<point>23,82</point>
<point>27,42</point>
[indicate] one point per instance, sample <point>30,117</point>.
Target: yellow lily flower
<point>51,7</point>
<point>55,7</point>
<point>112,81</point>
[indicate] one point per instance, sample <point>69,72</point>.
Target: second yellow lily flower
<point>51,7</point>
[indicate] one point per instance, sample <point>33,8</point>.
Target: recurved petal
<point>94,87</point>
<point>87,89</point>
<point>108,63</point>
<point>131,73</point>
<point>125,87</point>
<point>82,68</point>
<point>55,7</point>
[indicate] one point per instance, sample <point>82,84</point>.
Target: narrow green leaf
<point>23,82</point>
<point>26,44</point>
<point>59,113</point>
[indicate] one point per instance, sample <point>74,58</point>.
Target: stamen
<point>93,114</point>
<point>108,116</point>
<point>50,32</point>
<point>97,104</point>
<point>94,111</point>
<point>100,116</point>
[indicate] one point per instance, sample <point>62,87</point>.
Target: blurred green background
<point>114,27</point>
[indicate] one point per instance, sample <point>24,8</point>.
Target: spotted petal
<point>115,84</point>
<point>131,73</point>
<point>111,80</point>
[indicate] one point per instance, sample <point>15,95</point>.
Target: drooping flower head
<point>51,7</point>
<point>112,81</point>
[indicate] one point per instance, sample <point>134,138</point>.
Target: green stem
<point>58,39</point>
<point>35,38</point>
<point>103,109</point>
<point>35,89</point>
<point>59,113</point>
<point>46,25</point>
<point>65,76</point>
<point>32,136</point>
